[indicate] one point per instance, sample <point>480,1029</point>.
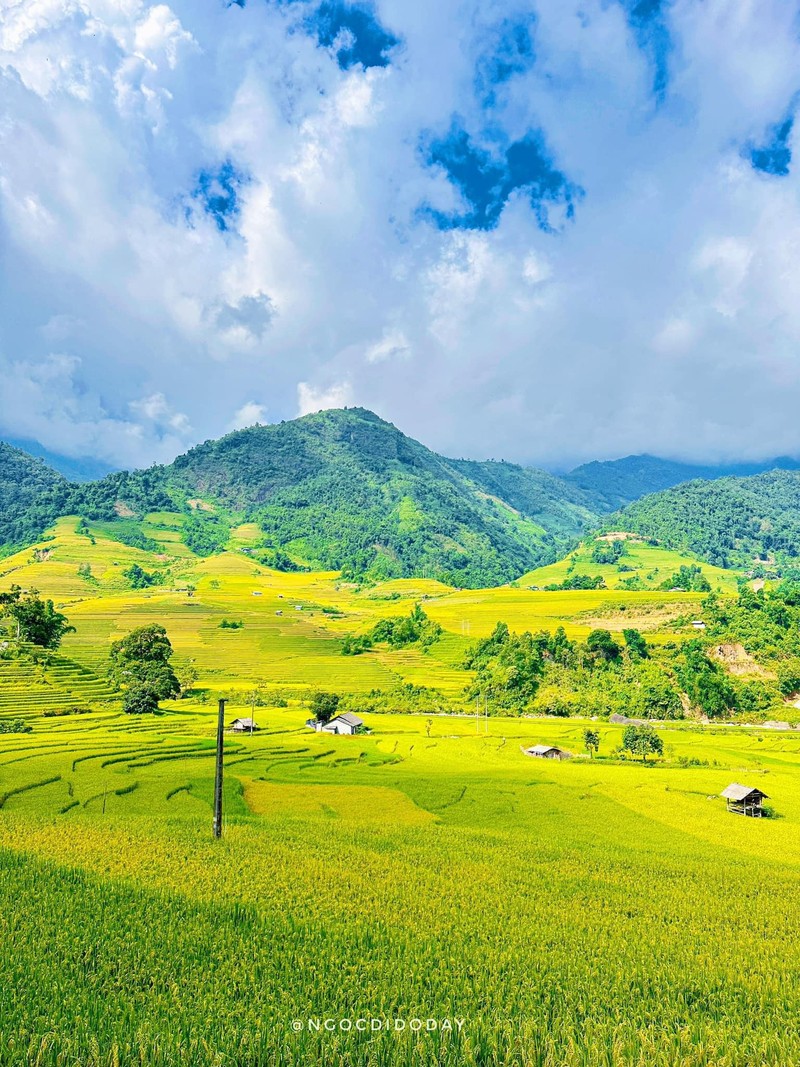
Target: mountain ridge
<point>345,490</point>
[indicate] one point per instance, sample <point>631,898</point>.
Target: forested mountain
<point>74,469</point>
<point>339,489</point>
<point>344,489</point>
<point>729,522</point>
<point>31,496</point>
<point>611,484</point>
<point>558,506</point>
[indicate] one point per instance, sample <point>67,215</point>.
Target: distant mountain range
<point>614,483</point>
<point>345,490</point>
<point>75,469</point>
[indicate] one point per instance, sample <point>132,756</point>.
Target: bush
<point>56,713</point>
<point>15,726</point>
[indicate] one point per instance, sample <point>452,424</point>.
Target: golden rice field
<point>294,623</point>
<point>575,913</point>
<point>423,895</point>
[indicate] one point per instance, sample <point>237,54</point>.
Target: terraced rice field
<point>293,624</point>
<point>591,912</point>
<point>576,913</point>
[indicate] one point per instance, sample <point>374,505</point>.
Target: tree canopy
<point>140,664</point>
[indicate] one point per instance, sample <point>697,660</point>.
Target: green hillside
<point>611,484</point>
<point>729,522</point>
<point>341,490</point>
<point>627,562</point>
<point>31,496</point>
<point>344,490</point>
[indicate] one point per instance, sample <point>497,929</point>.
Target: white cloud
<point>310,399</point>
<point>248,415</point>
<point>672,294</point>
<point>393,345</point>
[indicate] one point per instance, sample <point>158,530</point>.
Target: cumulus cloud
<point>547,231</point>
<point>310,399</point>
<point>248,415</point>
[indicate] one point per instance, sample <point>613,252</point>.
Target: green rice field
<point>425,894</point>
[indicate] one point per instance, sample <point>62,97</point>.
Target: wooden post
<point>218,775</point>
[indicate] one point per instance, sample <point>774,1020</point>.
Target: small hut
<point>744,800</point>
<point>346,723</point>
<point>244,726</point>
<point>547,752</point>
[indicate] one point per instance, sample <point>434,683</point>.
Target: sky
<point>544,231</point>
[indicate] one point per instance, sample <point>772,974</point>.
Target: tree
<point>37,620</point>
<point>140,698</point>
<point>705,682</point>
<point>591,740</point>
<point>324,706</point>
<point>138,577</point>
<point>636,644</point>
<point>508,668</point>
<point>602,646</point>
<point>142,659</point>
<point>641,741</point>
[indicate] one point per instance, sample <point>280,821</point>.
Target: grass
<point>590,912</point>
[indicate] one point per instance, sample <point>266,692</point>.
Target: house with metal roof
<point>547,752</point>
<point>346,723</point>
<point>244,726</point>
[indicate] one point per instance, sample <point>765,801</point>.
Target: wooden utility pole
<point>218,776</point>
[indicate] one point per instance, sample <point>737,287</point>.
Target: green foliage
<point>636,644</point>
<point>608,551</point>
<point>706,683</point>
<point>324,706</point>
<point>399,631</point>
<point>579,581</point>
<point>602,647</point>
<point>32,496</point>
<point>406,698</point>
<point>356,646</point>
<point>140,578</point>
<point>279,561</point>
<point>591,741</point>
<point>729,522</point>
<point>141,661</point>
<point>690,578</point>
<point>37,620</point>
<point>204,533</point>
<point>508,668</point>
<point>141,698</point>
<point>15,726</point>
<point>231,624</point>
<point>642,740</point>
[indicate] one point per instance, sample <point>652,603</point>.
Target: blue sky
<point>545,231</point>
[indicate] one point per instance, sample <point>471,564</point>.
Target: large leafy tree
<point>642,741</point>
<point>36,620</point>
<point>140,663</point>
<point>324,706</point>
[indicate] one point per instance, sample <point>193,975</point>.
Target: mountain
<point>731,521</point>
<point>344,489</point>
<point>31,496</point>
<point>611,484</point>
<point>339,489</point>
<point>74,469</point>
